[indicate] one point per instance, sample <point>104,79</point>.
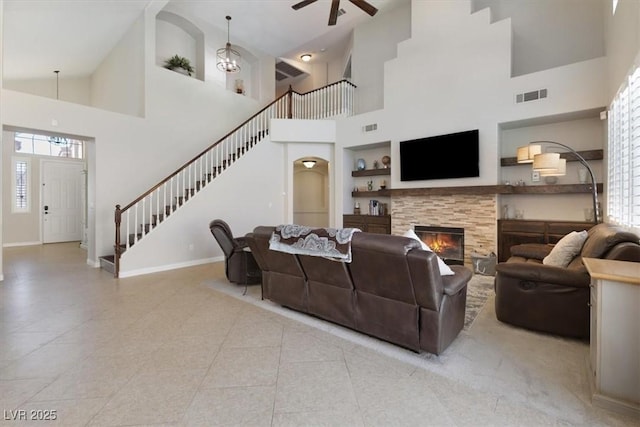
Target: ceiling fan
<point>335,5</point>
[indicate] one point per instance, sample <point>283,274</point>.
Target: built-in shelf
<point>371,172</point>
<point>489,189</point>
<point>588,155</point>
<point>548,189</point>
<point>378,193</point>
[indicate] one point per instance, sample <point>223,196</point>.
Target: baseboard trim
<point>631,409</point>
<point>11,245</point>
<point>167,267</point>
<point>93,263</point>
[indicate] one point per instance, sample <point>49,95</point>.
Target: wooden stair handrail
<point>155,187</point>
<point>325,87</point>
<point>118,217</point>
<point>288,93</point>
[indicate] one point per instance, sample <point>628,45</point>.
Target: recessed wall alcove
<point>176,35</point>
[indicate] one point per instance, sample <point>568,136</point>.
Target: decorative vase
<point>386,161</point>
<point>361,165</point>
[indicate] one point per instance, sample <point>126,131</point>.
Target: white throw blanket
<point>334,243</point>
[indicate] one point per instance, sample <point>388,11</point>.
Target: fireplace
<point>447,242</point>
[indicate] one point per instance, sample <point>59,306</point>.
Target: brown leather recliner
<point>240,265</point>
<point>391,290</point>
<point>552,299</point>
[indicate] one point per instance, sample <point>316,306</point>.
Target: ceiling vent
<point>287,74</point>
<point>531,96</point>
<point>288,69</point>
<point>370,128</point>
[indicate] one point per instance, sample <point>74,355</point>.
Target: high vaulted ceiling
<point>74,36</point>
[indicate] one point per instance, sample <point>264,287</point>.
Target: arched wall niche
<point>311,192</point>
<point>176,35</point>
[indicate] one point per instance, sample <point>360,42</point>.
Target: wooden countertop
<point>620,271</point>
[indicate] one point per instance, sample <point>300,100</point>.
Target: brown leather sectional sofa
<point>552,299</point>
<point>391,290</point>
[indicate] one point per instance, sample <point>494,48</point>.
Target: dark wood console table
<point>517,231</point>
<point>373,224</point>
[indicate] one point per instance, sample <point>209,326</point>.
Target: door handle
<point>46,210</point>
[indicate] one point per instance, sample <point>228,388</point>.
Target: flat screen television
<point>454,155</point>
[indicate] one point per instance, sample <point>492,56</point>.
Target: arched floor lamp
<point>550,164</point>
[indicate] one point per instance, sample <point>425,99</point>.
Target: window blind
<point>623,191</point>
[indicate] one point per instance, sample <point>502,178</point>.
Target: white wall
<point>622,41</point>
<point>70,89</point>
<point>374,43</point>
<point>22,227</point>
<point>551,33</point>
<point>244,200</point>
<point>118,82</point>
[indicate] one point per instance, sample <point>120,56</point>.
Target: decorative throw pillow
<point>445,270</point>
<point>566,249</point>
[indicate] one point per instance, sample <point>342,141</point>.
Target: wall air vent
<point>370,128</point>
<point>531,96</point>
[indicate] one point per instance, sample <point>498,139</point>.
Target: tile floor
<point>186,348</point>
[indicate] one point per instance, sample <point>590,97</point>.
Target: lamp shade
<point>527,153</point>
<point>560,171</point>
<point>546,162</point>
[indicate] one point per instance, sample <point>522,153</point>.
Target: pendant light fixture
<point>57,83</point>
<point>228,58</point>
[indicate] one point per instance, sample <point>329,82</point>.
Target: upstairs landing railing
<point>140,217</point>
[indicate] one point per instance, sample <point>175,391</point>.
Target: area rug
<point>478,291</point>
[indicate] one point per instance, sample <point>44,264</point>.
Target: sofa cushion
<point>566,249</point>
<point>445,270</point>
<point>603,237</point>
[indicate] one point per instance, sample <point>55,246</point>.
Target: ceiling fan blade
<point>333,15</point>
<point>368,8</point>
<point>303,4</point>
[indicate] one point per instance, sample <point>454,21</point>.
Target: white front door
<point>61,201</point>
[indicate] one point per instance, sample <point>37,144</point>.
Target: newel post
<point>290,103</point>
<point>116,258</point>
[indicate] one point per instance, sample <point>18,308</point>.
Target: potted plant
<point>179,62</point>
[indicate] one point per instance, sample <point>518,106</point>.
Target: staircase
<point>147,212</point>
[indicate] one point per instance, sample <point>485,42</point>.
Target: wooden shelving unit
<point>378,193</point>
<point>371,172</point>
<point>588,155</point>
<point>491,189</point>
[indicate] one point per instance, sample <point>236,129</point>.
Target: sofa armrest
<point>241,242</point>
<point>544,273</point>
<point>429,286</point>
<point>455,283</point>
<point>531,250</point>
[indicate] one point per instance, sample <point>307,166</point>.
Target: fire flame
<point>439,243</point>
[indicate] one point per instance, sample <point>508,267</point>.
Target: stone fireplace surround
<point>475,213</point>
